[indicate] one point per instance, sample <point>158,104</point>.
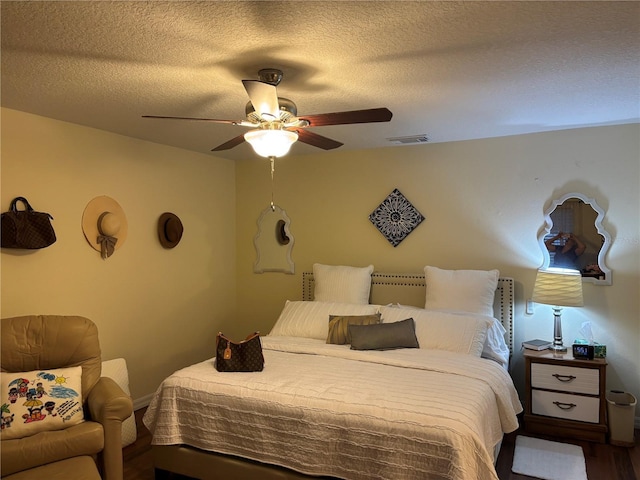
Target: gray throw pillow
<point>384,336</point>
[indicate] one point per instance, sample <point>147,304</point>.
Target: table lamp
<point>559,287</point>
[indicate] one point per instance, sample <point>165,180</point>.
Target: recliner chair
<point>48,342</point>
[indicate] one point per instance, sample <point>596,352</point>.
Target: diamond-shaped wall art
<point>396,217</point>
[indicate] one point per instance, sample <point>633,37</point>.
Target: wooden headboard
<point>410,289</point>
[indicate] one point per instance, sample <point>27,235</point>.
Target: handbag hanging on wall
<point>26,228</point>
<point>244,356</point>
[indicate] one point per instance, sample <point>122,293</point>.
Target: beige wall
<point>159,309</point>
<point>484,204</point>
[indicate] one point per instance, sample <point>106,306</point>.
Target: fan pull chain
<point>273,161</point>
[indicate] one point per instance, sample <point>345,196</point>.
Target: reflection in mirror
<point>281,233</point>
<point>574,238</point>
<point>273,242</point>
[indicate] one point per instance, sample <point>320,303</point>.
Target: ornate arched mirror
<point>573,237</point>
<point>273,242</point>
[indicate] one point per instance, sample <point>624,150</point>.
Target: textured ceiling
<point>450,70</point>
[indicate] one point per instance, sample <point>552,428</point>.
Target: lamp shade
<point>558,286</point>
<point>271,143</point>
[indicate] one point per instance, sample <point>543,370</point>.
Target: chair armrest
<point>107,401</point>
<point>110,405</point>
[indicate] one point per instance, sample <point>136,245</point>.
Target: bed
<point>326,410</point>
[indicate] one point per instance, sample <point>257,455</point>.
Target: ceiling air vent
<point>411,139</point>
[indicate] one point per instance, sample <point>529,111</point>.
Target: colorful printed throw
<point>41,400</point>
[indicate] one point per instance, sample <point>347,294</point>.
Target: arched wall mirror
<point>273,242</point>
<point>574,237</point>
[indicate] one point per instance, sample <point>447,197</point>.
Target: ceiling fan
<point>275,122</point>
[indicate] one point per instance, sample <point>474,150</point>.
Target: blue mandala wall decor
<point>396,218</point>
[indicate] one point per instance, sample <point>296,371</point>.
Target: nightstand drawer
<point>566,379</point>
<point>563,405</point>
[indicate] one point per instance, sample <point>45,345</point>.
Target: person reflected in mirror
<point>567,247</point>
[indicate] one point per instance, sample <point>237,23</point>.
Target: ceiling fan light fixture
<point>271,143</point>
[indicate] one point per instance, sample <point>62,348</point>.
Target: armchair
<point>37,342</point>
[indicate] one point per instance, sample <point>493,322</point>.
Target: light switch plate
<point>529,308</point>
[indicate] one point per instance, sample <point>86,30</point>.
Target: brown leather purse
<point>244,356</point>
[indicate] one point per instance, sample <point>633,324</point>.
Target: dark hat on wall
<point>169,230</point>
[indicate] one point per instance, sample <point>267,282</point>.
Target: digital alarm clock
<point>583,351</point>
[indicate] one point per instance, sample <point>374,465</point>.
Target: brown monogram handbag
<point>244,356</point>
<point>26,228</point>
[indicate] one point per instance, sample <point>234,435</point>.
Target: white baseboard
<point>142,402</point>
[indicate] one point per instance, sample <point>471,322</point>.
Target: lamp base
<point>557,346</point>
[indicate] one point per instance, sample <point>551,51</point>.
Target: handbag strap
<point>228,340</point>
<point>14,204</point>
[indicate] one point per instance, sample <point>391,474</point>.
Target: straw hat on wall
<point>104,225</point>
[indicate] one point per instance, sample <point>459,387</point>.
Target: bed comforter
<point>327,410</point>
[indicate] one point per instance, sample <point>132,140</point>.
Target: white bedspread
<point>327,410</point>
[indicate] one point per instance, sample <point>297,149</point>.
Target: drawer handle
<point>565,406</point>
<point>564,378</point>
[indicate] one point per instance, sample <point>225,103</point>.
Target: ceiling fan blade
<point>310,138</point>
<point>264,98</point>
<point>344,118</point>
<point>234,142</point>
<point>212,120</point>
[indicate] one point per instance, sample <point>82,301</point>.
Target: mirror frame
<point>258,266</point>
<point>599,228</point>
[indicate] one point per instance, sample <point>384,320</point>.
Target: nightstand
<point>565,396</point>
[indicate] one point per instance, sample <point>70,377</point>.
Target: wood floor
<point>604,462</point>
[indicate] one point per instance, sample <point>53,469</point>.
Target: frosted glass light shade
<point>558,286</point>
<point>271,143</point>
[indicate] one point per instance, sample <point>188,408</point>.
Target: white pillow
<point>470,291</point>
<point>311,319</point>
<point>337,283</point>
<point>495,347</point>
<point>438,330</point>
<point>40,400</point>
